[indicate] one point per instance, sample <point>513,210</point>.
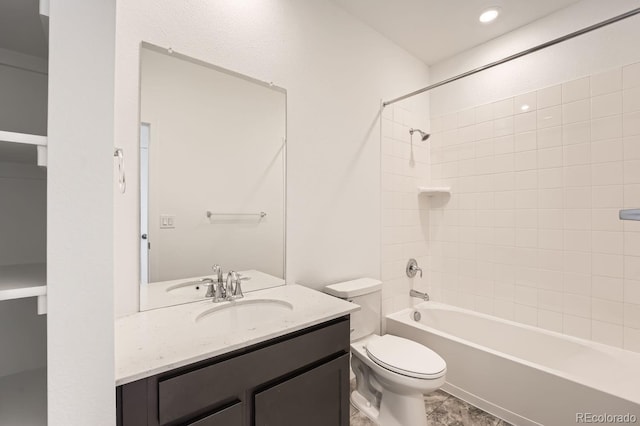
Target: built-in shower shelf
<point>24,138</point>
<point>23,398</point>
<point>20,281</point>
<point>434,190</point>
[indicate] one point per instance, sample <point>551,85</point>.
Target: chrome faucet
<point>222,291</point>
<point>237,289</point>
<point>232,277</point>
<point>413,268</point>
<point>211,283</point>
<point>419,295</point>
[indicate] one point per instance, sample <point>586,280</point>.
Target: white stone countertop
<point>156,341</point>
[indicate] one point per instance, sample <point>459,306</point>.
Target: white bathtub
<point>524,374</point>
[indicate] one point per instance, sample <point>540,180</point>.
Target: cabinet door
<point>230,416</point>
<point>319,397</point>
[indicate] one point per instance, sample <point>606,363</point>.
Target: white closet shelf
<point>23,138</point>
<point>23,398</point>
<point>39,141</point>
<point>18,281</point>
<point>434,190</point>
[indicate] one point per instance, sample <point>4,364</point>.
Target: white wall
<point>80,323</point>
<point>531,232</point>
<point>217,144</point>
<point>335,71</point>
<point>591,53</point>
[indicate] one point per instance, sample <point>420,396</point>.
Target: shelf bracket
<point>42,155</point>
<point>42,304</point>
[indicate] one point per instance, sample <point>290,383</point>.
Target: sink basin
<point>193,289</point>
<point>245,313</point>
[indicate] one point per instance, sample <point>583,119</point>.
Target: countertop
<point>156,341</point>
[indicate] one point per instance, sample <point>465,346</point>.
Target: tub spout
<point>419,294</point>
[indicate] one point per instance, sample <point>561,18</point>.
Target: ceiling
<point>21,29</point>
<point>433,30</point>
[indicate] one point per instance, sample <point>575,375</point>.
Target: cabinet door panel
<point>133,408</point>
<point>203,388</point>
<point>316,398</point>
<point>230,416</point>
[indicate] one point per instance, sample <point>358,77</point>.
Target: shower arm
<point>517,55</point>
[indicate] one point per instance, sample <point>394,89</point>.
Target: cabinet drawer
<point>230,416</point>
<point>200,390</point>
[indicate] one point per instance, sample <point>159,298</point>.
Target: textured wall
<point>335,70</point>
<point>80,320</point>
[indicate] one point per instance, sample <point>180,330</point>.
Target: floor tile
<point>441,409</point>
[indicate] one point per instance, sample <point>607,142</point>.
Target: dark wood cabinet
<point>299,378</point>
<point>318,397</point>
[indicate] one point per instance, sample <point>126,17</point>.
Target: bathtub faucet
<point>419,294</point>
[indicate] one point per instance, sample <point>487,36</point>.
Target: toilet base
<point>395,410</point>
<point>364,406</point>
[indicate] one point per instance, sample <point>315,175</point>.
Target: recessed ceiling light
<point>489,15</point>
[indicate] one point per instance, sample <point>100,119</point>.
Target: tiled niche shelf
<point>430,191</point>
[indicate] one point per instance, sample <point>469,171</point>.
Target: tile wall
<point>531,230</point>
<point>405,166</point>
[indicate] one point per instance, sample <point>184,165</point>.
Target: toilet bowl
<point>392,373</point>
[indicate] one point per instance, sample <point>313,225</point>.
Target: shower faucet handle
<point>413,268</point>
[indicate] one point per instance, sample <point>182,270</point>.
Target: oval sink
<point>245,313</point>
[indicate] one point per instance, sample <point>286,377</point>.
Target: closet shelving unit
<point>23,395</point>
<point>25,280</point>
<point>23,161</point>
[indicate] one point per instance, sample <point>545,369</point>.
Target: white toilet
<point>392,373</point>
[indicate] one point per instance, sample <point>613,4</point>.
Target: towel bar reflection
<point>261,214</point>
<point>630,214</point>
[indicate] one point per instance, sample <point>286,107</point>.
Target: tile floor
<point>442,409</point>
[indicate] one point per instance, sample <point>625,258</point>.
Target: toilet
<point>392,373</point>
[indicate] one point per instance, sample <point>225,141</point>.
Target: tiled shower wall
<point>531,230</point>
<point>405,166</point>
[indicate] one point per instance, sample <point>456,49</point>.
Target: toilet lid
<point>406,357</point>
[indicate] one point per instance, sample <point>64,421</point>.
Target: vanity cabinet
<point>299,378</point>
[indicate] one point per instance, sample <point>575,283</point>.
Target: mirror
<point>212,178</point>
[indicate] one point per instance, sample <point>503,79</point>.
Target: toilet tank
<point>365,292</point>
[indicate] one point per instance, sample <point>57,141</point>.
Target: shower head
<point>423,136</point>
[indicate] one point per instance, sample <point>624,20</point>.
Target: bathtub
<point>522,374</point>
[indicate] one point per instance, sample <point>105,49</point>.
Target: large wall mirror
<point>212,178</point>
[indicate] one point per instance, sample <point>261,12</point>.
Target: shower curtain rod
<point>518,55</point>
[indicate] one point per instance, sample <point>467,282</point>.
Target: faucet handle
<point>237,290</point>
<point>413,268</point>
<point>219,293</point>
<point>232,277</point>
<point>210,284</point>
<point>217,271</point>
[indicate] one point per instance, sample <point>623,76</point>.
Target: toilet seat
<point>406,357</point>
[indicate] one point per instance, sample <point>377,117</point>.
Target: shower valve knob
<point>413,268</point>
